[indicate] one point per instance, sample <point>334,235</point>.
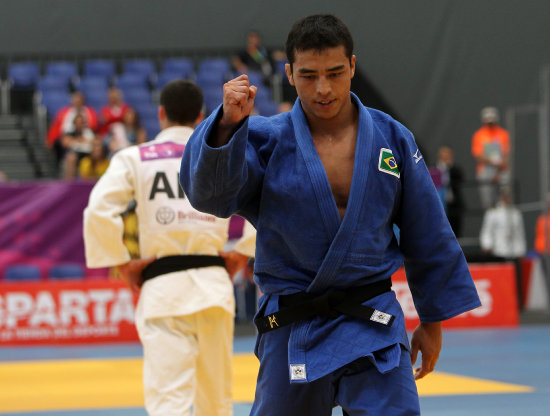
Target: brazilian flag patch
<point>387,163</point>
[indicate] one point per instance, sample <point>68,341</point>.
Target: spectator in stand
<point>126,133</point>
<point>255,57</point>
<point>491,148</point>
<point>452,179</point>
<point>3,177</point>
<point>502,234</point>
<point>77,143</point>
<point>114,111</point>
<point>63,123</point>
<point>92,166</point>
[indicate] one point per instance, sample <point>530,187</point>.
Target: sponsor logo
<point>387,163</point>
<point>165,215</point>
<point>417,156</point>
<point>297,371</point>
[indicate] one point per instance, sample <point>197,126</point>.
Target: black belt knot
<point>302,305</point>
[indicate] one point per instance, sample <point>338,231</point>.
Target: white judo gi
<point>185,319</point>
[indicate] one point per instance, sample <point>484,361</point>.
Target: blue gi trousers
<point>359,388</point>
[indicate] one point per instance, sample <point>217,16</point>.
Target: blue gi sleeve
<point>223,180</point>
<point>436,269</point>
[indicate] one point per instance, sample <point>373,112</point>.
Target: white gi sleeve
<point>103,225</point>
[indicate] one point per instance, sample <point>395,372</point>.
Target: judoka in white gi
<point>184,317</point>
<point>324,185</point>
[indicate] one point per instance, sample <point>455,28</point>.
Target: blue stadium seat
<point>24,75</point>
<point>146,111</point>
<point>139,66</point>
<point>55,101</point>
<point>210,79</point>
<point>131,80</point>
<point>136,96</point>
<point>213,96</point>
<point>49,83</point>
<point>100,68</point>
<point>151,126</point>
<point>89,83</point>
<point>165,77</point>
<point>96,99</point>
<point>182,66</point>
<point>215,65</point>
<point>65,69</point>
<point>22,272</point>
<point>263,93</point>
<point>67,271</point>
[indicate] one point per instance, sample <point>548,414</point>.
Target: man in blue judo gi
<point>324,185</point>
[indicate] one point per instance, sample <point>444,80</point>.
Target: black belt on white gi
<point>171,264</point>
<point>302,305</point>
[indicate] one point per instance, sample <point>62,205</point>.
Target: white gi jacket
<point>503,232</point>
<point>168,225</point>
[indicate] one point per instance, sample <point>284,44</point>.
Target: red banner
<point>496,287</point>
<point>74,312</point>
<point>66,313</point>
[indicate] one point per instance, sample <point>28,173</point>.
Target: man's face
<point>322,80</point>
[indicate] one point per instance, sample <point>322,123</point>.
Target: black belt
<point>302,305</point>
<point>171,264</point>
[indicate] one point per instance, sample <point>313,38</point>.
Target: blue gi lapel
<point>340,233</point>
<point>316,170</point>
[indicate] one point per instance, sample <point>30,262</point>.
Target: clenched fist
<point>238,101</point>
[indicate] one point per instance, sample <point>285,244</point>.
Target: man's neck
<point>348,115</point>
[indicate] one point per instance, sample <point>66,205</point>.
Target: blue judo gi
<point>270,173</point>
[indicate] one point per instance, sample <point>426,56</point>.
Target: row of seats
<point>138,80</point>
<point>29,272</point>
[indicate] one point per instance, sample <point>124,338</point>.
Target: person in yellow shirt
<point>94,165</point>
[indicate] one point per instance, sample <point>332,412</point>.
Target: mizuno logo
<point>417,156</point>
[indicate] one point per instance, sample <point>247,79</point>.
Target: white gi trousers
<point>187,362</point>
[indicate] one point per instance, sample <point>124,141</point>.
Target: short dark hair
<point>318,32</point>
<point>182,100</point>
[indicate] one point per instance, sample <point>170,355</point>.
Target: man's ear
<point>162,113</point>
<point>288,71</point>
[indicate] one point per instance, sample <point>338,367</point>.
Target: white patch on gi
<point>381,317</point>
<point>297,371</point>
<point>417,157</point>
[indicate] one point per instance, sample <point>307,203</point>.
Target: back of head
<point>182,101</point>
<point>318,32</point>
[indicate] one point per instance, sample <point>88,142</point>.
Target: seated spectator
<point>92,166</point>
<point>126,133</point>
<point>3,177</point>
<point>255,57</point>
<point>77,143</point>
<point>63,123</point>
<point>113,112</point>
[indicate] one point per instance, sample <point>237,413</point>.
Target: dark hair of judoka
<point>318,32</point>
<point>182,100</point>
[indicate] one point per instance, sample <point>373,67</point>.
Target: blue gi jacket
<point>271,174</point>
